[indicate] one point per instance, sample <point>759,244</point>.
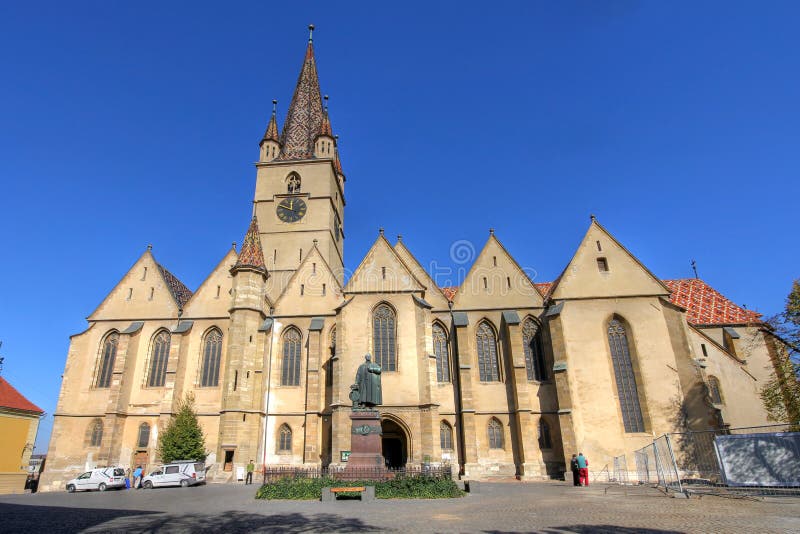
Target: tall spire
<point>305,115</point>
<point>272,128</point>
<point>252,255</point>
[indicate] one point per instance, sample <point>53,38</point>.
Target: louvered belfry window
<point>625,377</point>
<point>212,352</point>
<point>384,338</point>
<point>534,353</point>
<point>446,436</point>
<point>487,354</point>
<point>109,354</point>
<point>158,360</point>
<point>290,367</point>
<point>495,434</point>
<point>441,353</point>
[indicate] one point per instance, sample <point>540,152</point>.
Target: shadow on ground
<point>597,529</point>
<point>22,518</point>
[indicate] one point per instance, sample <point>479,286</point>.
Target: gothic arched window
<point>144,436</point>
<point>106,368</point>
<point>544,435</point>
<point>290,365</point>
<point>495,429</point>
<point>212,354</point>
<point>293,183</point>
<point>441,353</point>
<point>488,367</point>
<point>714,390</point>
<point>446,436</point>
<point>384,337</point>
<point>159,356</point>
<point>534,353</point>
<point>625,377</point>
<point>285,439</point>
<point>96,433</point>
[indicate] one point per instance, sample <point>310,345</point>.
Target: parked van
<point>101,479</point>
<point>183,473</point>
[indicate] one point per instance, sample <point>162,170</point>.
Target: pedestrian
<point>250,468</point>
<point>576,474</point>
<point>583,466</point>
<point>128,478</point>
<point>137,477</point>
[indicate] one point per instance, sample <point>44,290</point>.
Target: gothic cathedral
<point>498,377</point>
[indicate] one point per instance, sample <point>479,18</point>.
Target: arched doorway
<point>394,443</point>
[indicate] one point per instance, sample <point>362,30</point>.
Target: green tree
<point>781,395</point>
<point>183,438</point>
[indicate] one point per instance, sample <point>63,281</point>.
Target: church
<point>497,377</point>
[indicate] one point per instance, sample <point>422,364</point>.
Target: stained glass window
<point>495,434</point>
<point>487,354</point>
<point>290,366</point>
<point>627,390</point>
<point>384,338</point>
<point>144,435</point>
<point>212,353</point>
<point>446,436</point>
<point>534,353</point>
<point>107,357</point>
<point>158,360</point>
<point>441,353</point>
<point>285,439</point>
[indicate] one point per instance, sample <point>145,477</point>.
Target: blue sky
<point>123,124</point>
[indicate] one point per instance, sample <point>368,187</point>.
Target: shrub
<point>419,487</point>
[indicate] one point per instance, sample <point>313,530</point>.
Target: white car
<point>183,473</point>
<point>98,479</point>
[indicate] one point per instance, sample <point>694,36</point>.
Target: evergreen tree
<point>183,438</point>
<point>781,395</point>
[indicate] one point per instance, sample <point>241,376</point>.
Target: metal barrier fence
<point>620,470</point>
<point>273,473</point>
<point>763,460</point>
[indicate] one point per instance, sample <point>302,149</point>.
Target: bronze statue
<point>366,392</point>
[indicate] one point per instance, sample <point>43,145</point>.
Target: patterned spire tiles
<point>251,255</point>
<point>305,115</point>
<point>272,130</point>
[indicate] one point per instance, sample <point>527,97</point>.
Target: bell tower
<point>299,197</point>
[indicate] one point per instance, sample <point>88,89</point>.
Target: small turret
<point>270,144</point>
<point>325,143</point>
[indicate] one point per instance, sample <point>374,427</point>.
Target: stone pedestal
<point>366,448</point>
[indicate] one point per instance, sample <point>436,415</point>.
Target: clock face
<point>291,209</point>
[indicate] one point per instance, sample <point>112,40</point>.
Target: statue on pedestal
<point>366,392</point>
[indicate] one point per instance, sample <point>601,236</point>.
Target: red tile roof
<point>179,291</point>
<point>705,305</point>
<point>252,254</point>
<point>450,292</point>
<point>11,398</point>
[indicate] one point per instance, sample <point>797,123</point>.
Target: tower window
<point>144,274</point>
<point>218,290</point>
<point>302,289</point>
<point>314,268</point>
<point>703,348</point>
<point>383,272</point>
<point>152,292</point>
<point>293,183</point>
<point>508,281</point>
<point>130,293</point>
<point>323,290</point>
<point>599,248</point>
<point>494,260</point>
<point>602,265</point>
<point>485,283</point>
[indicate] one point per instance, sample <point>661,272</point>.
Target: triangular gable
<point>496,280</point>
<point>213,297</point>
<point>433,294</point>
<point>382,271</point>
<point>312,290</point>
<point>144,291</point>
<point>584,276</point>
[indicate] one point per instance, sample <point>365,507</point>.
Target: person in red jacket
<point>583,469</point>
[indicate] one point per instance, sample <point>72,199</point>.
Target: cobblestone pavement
<point>549,507</point>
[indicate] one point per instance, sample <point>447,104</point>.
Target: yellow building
<point>19,422</point>
<point>498,377</point>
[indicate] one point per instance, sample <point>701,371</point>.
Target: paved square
<point>499,507</point>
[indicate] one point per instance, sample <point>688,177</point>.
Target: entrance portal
<point>395,444</point>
